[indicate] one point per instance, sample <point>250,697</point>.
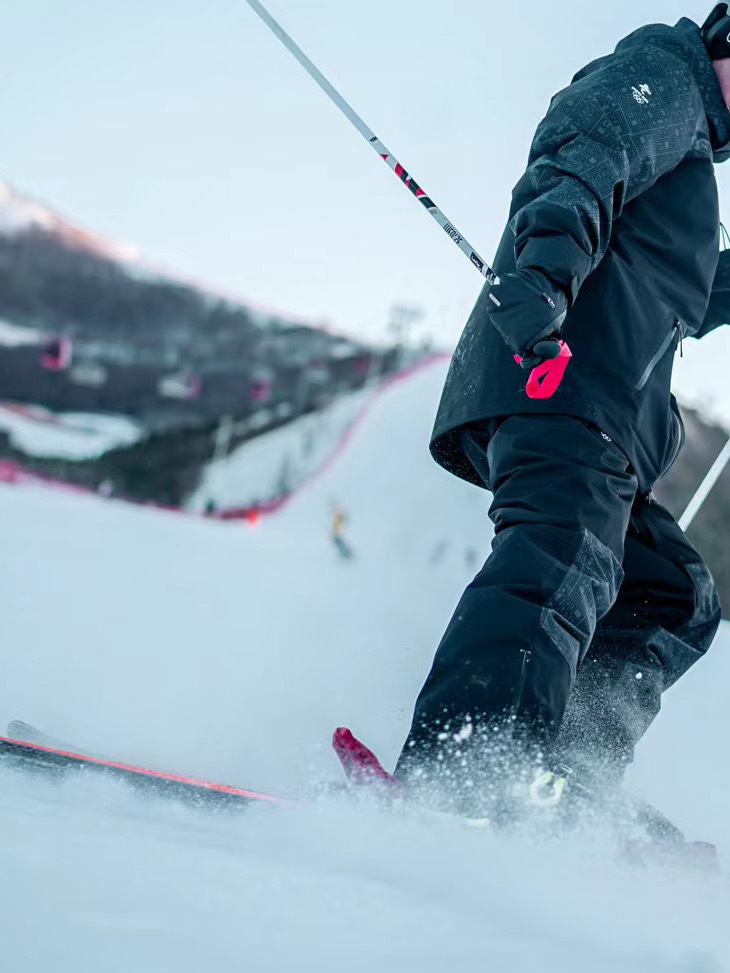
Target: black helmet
<point>716,33</point>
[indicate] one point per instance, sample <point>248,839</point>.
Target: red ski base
<point>191,790</point>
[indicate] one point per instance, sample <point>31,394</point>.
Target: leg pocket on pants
<point>707,604</point>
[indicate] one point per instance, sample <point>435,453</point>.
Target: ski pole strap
<point>545,378</point>
<point>458,238</point>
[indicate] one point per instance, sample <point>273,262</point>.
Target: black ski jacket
<point>619,209</point>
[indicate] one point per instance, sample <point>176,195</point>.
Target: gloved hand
<point>528,312</point>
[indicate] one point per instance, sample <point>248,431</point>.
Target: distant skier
<point>342,547</point>
<point>592,602</point>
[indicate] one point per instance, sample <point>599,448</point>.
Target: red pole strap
<point>545,378</point>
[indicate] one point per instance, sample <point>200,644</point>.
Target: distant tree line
<point>48,285</point>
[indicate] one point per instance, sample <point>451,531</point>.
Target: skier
<point>337,533</point>
<point>592,602</point>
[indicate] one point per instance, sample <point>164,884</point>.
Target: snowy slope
<point>233,651</point>
<point>256,471</point>
<point>283,461</point>
<point>71,435</point>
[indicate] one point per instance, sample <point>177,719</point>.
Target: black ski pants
<point>591,604</point>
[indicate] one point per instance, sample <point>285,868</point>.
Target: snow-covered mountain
<point>89,328</point>
<point>232,651</point>
<point>20,212</point>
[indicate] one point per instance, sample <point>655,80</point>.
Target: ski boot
<point>644,834</point>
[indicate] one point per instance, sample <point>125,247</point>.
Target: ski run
<point>230,652</point>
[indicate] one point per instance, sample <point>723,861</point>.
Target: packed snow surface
<point>232,651</point>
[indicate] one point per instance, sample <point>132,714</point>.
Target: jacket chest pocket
<point>670,340</point>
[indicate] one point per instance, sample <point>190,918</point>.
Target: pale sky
<point>186,128</point>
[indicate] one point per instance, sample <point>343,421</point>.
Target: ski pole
<point>459,239</point>
<point>705,487</point>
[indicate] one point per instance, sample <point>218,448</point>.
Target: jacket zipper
<point>658,355</point>
<point>526,656</point>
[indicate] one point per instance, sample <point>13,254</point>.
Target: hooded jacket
<point>618,208</point>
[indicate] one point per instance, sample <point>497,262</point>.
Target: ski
<point>27,733</point>
<point>29,749</point>
<point>24,755</point>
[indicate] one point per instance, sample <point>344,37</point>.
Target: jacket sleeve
<point>718,310</point>
<point>605,139</point>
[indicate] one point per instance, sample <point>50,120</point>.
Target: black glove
<point>528,312</point>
